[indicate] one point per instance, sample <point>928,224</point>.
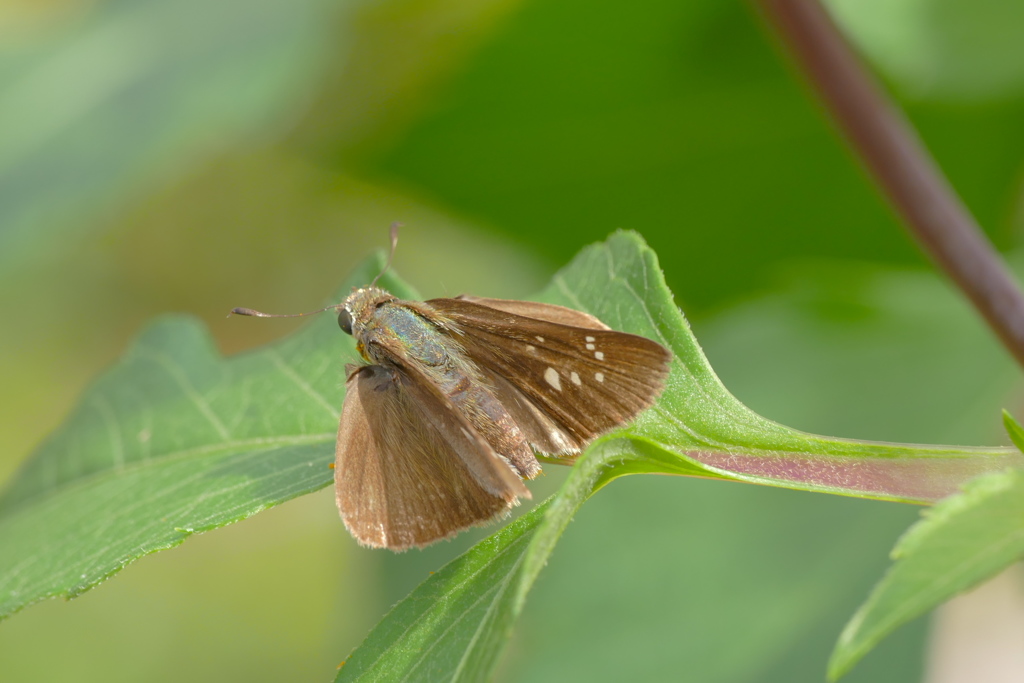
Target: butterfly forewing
<point>539,311</point>
<point>584,379</point>
<point>544,434</point>
<point>401,473</point>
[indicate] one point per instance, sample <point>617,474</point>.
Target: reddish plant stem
<point>895,156</point>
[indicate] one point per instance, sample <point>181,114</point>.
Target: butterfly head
<point>356,311</point>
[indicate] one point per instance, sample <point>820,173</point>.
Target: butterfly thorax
<point>389,331</point>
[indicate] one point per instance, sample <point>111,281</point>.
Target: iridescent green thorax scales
<point>422,341</point>
<point>385,326</point>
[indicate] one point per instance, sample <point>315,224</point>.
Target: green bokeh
<point>679,120</point>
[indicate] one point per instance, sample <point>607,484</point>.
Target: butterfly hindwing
<point>408,472</point>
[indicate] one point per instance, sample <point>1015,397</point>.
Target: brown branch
<point>890,148</point>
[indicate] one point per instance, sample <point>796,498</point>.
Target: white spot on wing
<point>531,348</point>
<point>599,355</point>
<point>590,339</point>
<point>551,377</point>
<point>590,347</point>
<point>575,378</point>
<point>540,339</point>
<point>599,376</point>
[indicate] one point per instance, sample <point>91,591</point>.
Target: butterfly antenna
<point>259,314</point>
<point>394,244</point>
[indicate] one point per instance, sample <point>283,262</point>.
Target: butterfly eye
<point>345,321</point>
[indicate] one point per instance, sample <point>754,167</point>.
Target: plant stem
<point>898,161</point>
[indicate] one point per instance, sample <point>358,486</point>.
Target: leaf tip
<point>851,646</point>
<point>837,668</point>
<point>844,657</point>
<point>1014,429</point>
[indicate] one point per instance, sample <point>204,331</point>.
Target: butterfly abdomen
<point>470,394</point>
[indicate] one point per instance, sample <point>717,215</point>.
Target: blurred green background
<point>198,155</point>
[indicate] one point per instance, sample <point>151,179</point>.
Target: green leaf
<point>699,426</point>
<point>960,542</point>
<point>171,441</point>
<point>454,625</point>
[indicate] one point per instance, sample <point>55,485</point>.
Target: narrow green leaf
<point>453,627</point>
<point>434,633</point>
<point>959,543</point>
<point>1014,429</point>
<point>171,441</point>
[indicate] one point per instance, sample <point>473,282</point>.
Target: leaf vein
<point>502,587</point>
<point>106,413</point>
<point>289,372</point>
<point>183,381</point>
<point>450,590</point>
